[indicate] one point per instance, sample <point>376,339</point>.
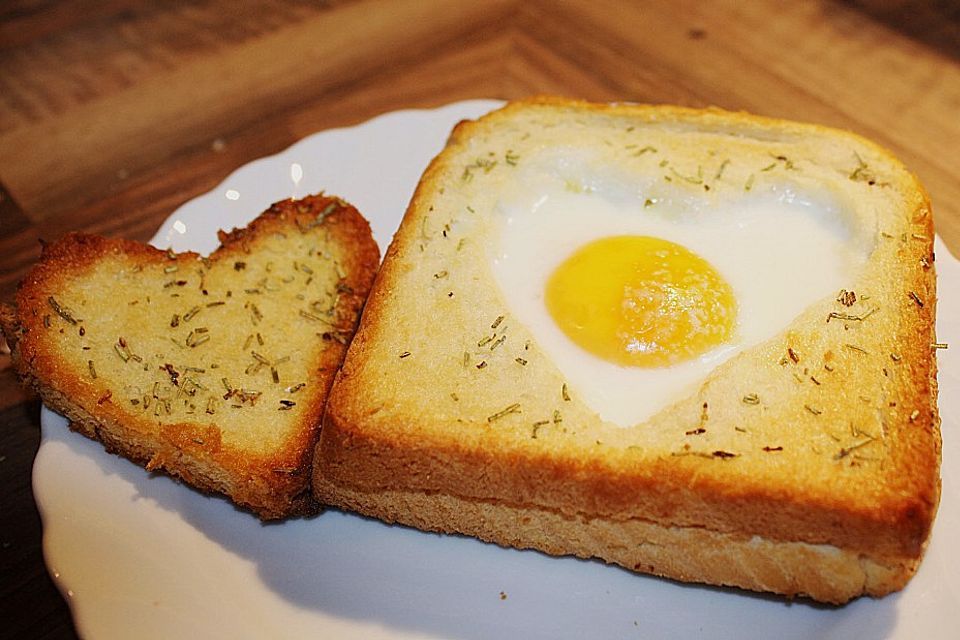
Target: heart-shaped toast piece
<point>212,369</point>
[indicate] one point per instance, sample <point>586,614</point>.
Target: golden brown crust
<point>134,346</point>
<point>842,450</point>
<point>691,554</point>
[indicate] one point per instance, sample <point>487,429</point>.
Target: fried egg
<point>636,291</point>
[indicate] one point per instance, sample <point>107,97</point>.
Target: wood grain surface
<point>115,112</point>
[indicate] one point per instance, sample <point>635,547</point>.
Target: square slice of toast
<point>212,369</point>
<point>805,464</point>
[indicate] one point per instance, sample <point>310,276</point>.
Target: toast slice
<point>807,464</point>
<point>214,370</point>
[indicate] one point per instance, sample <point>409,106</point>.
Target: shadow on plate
<point>355,568</point>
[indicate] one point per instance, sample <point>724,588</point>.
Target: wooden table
<point>115,112</point>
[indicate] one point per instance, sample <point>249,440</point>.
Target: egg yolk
<point>641,301</point>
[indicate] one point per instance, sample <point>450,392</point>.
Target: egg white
<point>780,250</point>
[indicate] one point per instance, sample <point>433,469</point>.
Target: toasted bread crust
<point>792,469</point>
<point>199,442</point>
<point>691,554</point>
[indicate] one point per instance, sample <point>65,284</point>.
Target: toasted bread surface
<point>824,435</point>
<point>215,370</point>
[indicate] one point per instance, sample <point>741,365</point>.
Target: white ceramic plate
<point>138,555</point>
